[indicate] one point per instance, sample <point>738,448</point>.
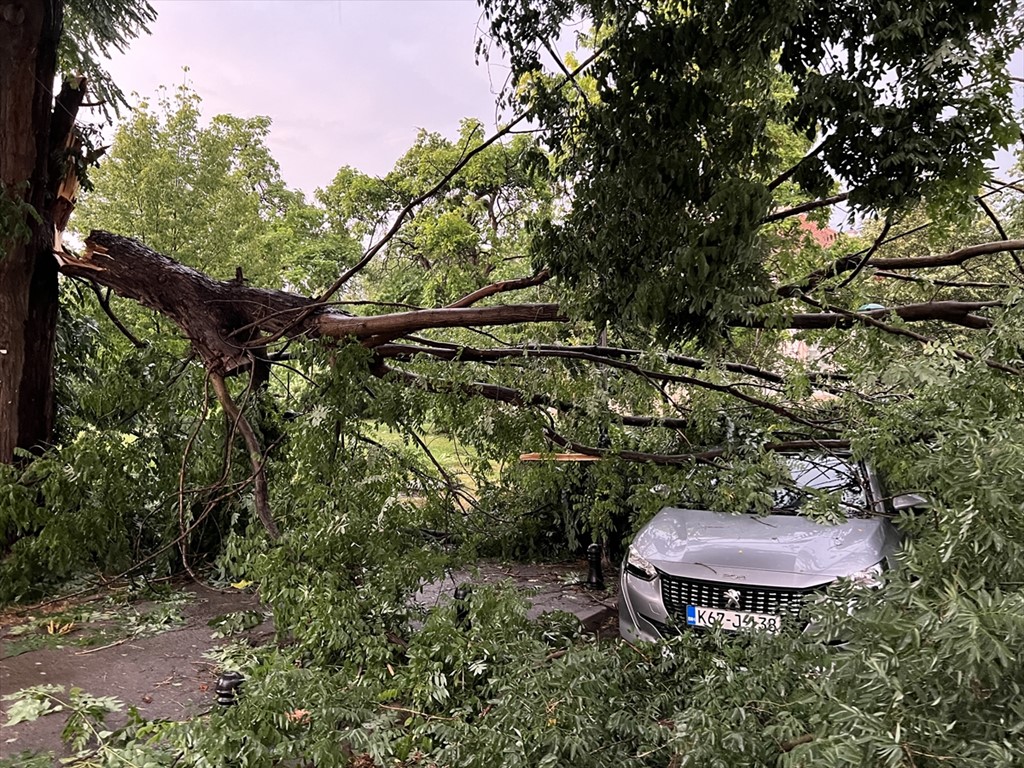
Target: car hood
<point>718,546</point>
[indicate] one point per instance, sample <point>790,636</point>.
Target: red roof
<point>824,236</point>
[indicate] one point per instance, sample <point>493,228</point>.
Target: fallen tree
<point>674,320</point>
<point>229,325</point>
<point>226,320</point>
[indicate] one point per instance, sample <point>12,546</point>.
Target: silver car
<point>700,568</point>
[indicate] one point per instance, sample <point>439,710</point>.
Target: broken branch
<point>261,498</point>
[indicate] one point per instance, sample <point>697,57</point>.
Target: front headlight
<point>869,578</point>
<point>639,566</point>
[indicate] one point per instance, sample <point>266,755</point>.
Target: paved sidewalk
<point>548,586</point>
<point>166,676</point>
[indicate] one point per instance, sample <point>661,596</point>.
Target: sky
<point>346,82</point>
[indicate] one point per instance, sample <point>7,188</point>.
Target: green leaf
<point>26,710</point>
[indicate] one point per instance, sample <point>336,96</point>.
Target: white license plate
<point>731,620</point>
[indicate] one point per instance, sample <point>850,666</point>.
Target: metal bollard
<point>461,596</point>
<point>595,575</point>
<point>228,687</point>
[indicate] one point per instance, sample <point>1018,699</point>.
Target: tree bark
<point>227,321</point>
<point>29,34</point>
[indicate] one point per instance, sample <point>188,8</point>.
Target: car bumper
<point>642,614</point>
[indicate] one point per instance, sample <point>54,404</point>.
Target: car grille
<point>677,593</point>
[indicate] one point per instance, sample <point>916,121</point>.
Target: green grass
<point>458,460</point>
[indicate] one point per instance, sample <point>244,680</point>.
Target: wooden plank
<point>558,457</point>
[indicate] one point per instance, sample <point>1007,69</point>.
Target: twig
<point>940,283</point>
<point>412,205</point>
<point>103,647</point>
<point>569,76</point>
<point>788,173</point>
<point>105,306</point>
<point>999,228</point>
<point>871,252</point>
<point>796,210</point>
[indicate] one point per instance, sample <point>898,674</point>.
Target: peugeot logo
<point>732,599</point>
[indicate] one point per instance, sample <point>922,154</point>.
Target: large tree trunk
<point>29,35</point>
<point>228,321</point>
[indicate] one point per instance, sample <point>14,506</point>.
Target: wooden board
<point>558,457</point>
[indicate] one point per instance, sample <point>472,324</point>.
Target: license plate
<point>731,620</point>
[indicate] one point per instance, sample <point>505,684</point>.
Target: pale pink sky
<point>346,82</point>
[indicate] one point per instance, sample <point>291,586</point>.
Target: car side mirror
<point>909,501</point>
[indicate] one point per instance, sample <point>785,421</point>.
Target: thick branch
<point>211,313</point>
<point>469,299</point>
<point>252,444</point>
<point>400,323</point>
<point>851,261</point>
<point>947,259</point>
<point>225,320</point>
<point>957,312</point>
<point>501,286</point>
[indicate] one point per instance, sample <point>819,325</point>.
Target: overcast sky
<point>346,82</point>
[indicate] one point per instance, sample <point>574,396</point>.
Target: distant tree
<point>211,195</point>
<point>475,231</point>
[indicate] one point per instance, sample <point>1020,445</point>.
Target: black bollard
<point>228,688</point>
<point>461,597</point>
<point>595,576</point>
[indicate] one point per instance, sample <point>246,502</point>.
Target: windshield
<point>813,476</point>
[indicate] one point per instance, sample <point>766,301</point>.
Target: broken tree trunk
<point>226,321</point>
<point>229,322</point>
<point>29,33</point>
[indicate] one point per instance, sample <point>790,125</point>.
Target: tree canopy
<point>695,121</point>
